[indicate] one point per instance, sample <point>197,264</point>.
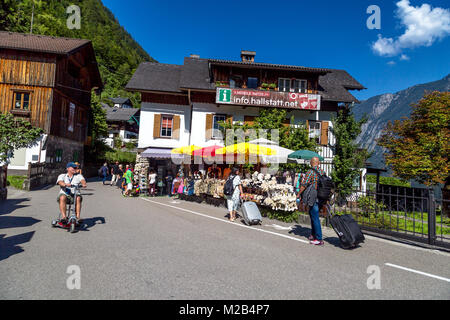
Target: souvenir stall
<point>261,188</point>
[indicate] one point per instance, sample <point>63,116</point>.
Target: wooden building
<point>48,81</point>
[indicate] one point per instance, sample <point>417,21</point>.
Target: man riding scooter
<point>65,196</point>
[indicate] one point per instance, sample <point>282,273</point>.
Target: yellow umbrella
<point>247,148</point>
<point>188,150</point>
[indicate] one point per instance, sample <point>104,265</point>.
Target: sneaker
<point>317,243</point>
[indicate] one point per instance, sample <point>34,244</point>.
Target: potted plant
<point>272,86</point>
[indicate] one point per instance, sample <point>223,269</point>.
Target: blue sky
<point>328,34</point>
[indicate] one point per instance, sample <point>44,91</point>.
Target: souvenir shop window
<point>166,126</point>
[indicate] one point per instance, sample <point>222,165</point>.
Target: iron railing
<point>400,212</point>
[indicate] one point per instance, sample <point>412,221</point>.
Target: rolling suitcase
<point>251,213</point>
<point>347,229</point>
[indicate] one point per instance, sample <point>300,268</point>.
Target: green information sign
<point>225,95</point>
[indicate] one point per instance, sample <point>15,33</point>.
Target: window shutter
<point>176,127</point>
<point>157,126</point>
<point>324,135</point>
<point>209,126</point>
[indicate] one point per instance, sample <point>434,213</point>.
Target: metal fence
<point>410,213</point>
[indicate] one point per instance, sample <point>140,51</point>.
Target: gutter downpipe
<point>190,120</point>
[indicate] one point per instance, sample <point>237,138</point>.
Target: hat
<point>71,165</point>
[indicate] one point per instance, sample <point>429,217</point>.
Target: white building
<point>183,105</point>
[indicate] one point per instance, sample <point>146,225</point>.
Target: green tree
<point>348,157</point>
<point>419,147</point>
<point>15,133</point>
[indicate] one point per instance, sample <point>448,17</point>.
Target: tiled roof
<point>120,100</point>
<point>268,65</point>
<point>195,74</point>
<point>119,114</point>
<point>151,76</point>
<point>39,43</point>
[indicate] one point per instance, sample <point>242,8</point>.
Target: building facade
<point>184,104</point>
<point>48,81</point>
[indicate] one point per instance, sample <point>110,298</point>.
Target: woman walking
<point>234,200</point>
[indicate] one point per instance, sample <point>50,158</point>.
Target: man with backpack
<point>315,190</point>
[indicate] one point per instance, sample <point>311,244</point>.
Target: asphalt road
<point>160,249</point>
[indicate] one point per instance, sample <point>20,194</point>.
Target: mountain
<point>117,53</point>
<point>388,107</point>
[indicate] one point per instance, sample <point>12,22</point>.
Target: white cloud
<point>423,26</point>
<point>404,57</point>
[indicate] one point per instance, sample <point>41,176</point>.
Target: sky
<point>409,44</point>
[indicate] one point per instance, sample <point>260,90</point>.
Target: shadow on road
<point>91,222</point>
<point>9,205</point>
<point>10,246</point>
<point>300,231</point>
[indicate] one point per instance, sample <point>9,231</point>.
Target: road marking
<point>222,220</point>
<point>418,272</point>
<point>280,228</point>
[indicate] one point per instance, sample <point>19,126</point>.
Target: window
<point>166,126</point>
<point>252,83</point>
<point>58,155</point>
<point>292,85</point>
<point>216,126</point>
<point>315,130</point>
<point>22,100</point>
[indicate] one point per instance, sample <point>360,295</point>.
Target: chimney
<point>248,56</point>
<point>195,56</point>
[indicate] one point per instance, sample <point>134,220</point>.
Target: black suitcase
<point>348,230</point>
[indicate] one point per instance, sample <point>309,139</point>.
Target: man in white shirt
<point>65,196</point>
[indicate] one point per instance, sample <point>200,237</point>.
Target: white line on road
<point>418,272</point>
<point>221,220</point>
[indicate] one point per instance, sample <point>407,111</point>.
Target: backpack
<point>324,187</point>
<point>228,189</point>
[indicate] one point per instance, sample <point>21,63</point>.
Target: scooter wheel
<point>54,223</point>
<point>72,227</point>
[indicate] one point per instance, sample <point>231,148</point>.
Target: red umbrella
<point>206,152</point>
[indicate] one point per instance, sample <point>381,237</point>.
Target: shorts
<point>129,187</point>
<point>69,198</point>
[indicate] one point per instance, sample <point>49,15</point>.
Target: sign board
<point>274,99</point>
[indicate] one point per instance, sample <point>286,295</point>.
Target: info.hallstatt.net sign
<point>275,99</point>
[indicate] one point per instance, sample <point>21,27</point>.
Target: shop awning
<point>160,153</point>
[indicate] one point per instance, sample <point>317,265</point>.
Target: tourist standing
<point>234,200</point>
<point>152,182</point>
<point>308,191</point>
<point>169,180</point>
